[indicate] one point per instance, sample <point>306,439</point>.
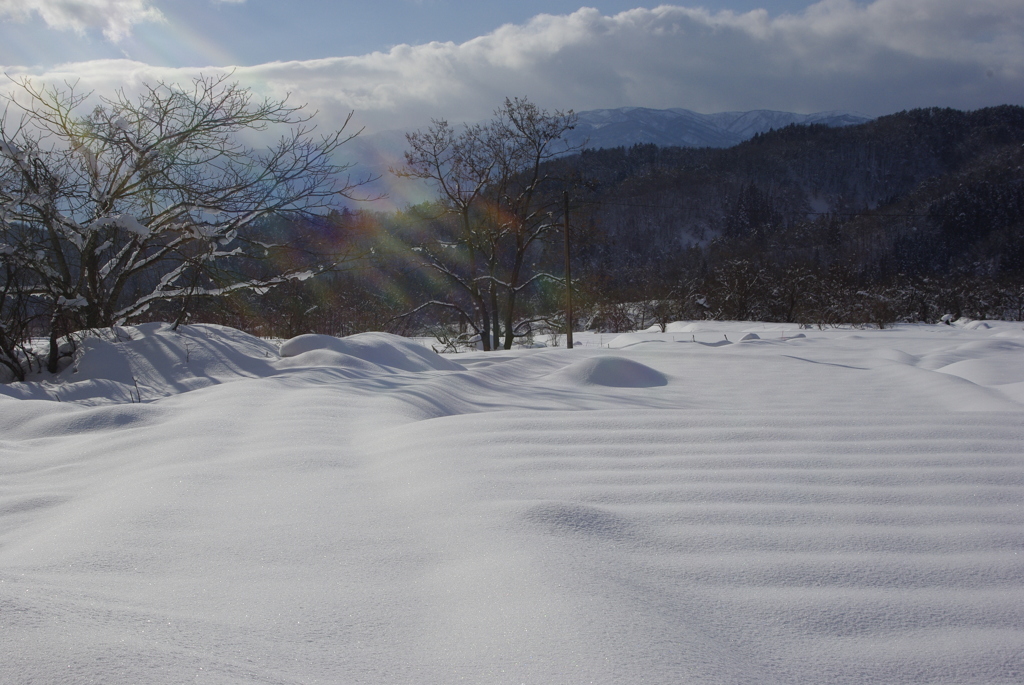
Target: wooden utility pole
<point>568,278</point>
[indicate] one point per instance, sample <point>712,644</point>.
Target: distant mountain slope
<point>375,154</point>
<point>923,193</point>
<point>608,128</point>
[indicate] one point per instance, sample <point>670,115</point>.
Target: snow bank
<point>613,372</point>
<point>382,349</point>
<point>150,361</point>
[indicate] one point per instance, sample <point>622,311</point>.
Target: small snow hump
<point>565,518</point>
<point>614,372</point>
<point>382,349</point>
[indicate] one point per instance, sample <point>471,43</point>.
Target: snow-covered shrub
<point>116,206</point>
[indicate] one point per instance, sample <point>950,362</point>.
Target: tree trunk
<point>485,329</point>
<point>509,320</point>
<point>54,355</point>
<point>496,324</point>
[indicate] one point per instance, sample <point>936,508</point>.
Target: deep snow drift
<point>719,503</point>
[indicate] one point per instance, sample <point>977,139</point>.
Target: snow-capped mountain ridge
<point>625,126</point>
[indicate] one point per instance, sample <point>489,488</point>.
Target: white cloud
<point>838,54</point>
<point>114,17</point>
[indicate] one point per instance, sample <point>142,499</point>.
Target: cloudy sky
<point>398,63</point>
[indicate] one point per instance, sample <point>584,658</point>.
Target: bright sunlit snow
<point>696,506</point>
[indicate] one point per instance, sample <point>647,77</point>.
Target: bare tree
<point>492,183</point>
<point>461,166</point>
<point>131,201</point>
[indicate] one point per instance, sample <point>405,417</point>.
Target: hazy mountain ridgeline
<point>627,126</point>
<point>376,154</point>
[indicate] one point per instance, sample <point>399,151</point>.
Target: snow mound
<point>382,349</point>
<point>320,358</point>
<point>997,351</point>
<point>984,362</point>
<point>563,518</point>
<point>25,421</point>
<point>613,372</point>
<point>630,339</point>
<point>986,371</point>
<point>152,360</point>
<point>898,356</point>
<point>750,336</point>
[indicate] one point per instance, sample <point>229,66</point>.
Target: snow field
<point>688,506</point>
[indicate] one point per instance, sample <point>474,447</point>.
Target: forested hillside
<point>931,200</point>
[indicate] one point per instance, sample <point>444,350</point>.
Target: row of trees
<point>743,290</point>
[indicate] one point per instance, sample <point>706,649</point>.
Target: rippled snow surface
<point>697,506</point>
